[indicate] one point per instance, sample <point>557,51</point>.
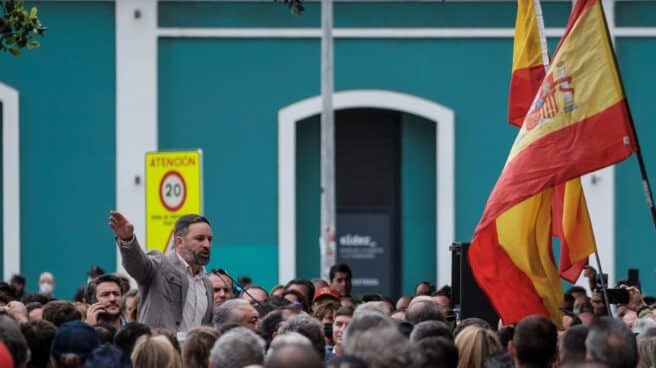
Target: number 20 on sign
<point>173,189</point>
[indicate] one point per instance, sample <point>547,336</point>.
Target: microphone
<point>222,272</point>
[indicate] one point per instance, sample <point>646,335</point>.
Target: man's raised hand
<point>123,229</point>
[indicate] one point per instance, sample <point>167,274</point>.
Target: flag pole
<point>646,187</point>
<point>543,37</point>
<point>604,285</point>
<point>327,239</point>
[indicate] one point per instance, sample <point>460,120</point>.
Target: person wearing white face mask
<point>46,284</point>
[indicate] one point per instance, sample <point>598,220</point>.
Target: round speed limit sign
<point>172,190</point>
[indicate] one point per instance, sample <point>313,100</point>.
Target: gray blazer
<point>162,285</point>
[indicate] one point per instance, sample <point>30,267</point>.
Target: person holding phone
<point>174,291</point>
<point>104,296</point>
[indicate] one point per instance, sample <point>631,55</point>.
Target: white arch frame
<point>441,116</point>
<point>10,181</point>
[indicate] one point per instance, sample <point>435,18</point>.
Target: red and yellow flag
<point>570,220</point>
<point>528,65</point>
<point>578,122</point>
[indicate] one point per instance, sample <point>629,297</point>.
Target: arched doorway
<point>440,116</point>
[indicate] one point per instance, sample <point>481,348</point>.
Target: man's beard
<point>108,317</point>
<point>198,260</point>
<point>195,259</point>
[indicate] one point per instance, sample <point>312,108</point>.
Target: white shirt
<point>195,304</point>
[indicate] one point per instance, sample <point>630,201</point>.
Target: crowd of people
<point>183,315</point>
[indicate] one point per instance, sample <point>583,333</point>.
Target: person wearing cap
<point>174,291</point>
<point>107,356</point>
<point>73,343</point>
<point>325,294</point>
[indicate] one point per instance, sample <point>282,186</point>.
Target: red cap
<point>327,292</point>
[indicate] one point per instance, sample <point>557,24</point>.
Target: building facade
<point>421,98</point>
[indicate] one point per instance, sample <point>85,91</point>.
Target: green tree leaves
<point>19,28</point>
<point>295,6</point>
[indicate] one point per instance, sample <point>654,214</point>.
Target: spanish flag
<point>570,220</point>
<point>578,122</point>
<point>528,64</point>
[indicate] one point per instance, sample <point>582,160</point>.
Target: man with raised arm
<point>175,293</point>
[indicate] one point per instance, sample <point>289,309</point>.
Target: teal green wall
<point>223,96</point>
<point>217,95</point>
<point>634,232</point>
<point>418,216</point>
<point>67,119</point>
<point>635,14</point>
<point>399,14</point>
<point>308,194</point>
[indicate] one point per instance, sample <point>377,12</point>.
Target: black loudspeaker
<point>466,295</point>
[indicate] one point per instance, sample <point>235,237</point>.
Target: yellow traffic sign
<point>173,188</point>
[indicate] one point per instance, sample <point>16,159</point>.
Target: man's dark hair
<point>269,326</point>
<point>59,312</point>
<point>611,343</point>
<point>32,306</point>
<point>423,310</point>
<point>438,352</point>
<point>11,336</point>
<point>405,328</point>
<point>340,267</point>
<point>585,307</point>
<point>182,224</point>
<point>431,287</point>
<point>17,279</point>
<point>535,342</point>
<point>90,291</point>
<point>428,329</point>
<point>576,289</point>
<point>344,311</point>
<point>106,333</point>
<point>505,335</point>
<point>309,327</point>
<point>31,298</point>
<point>572,345</point>
<point>309,286</point>
<point>39,335</point>
<point>6,292</point>
<point>127,336</point>
<point>444,291</point>
<point>301,298</point>
<point>568,302</point>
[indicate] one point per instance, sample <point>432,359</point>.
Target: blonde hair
<point>475,344</point>
<point>155,351</point>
